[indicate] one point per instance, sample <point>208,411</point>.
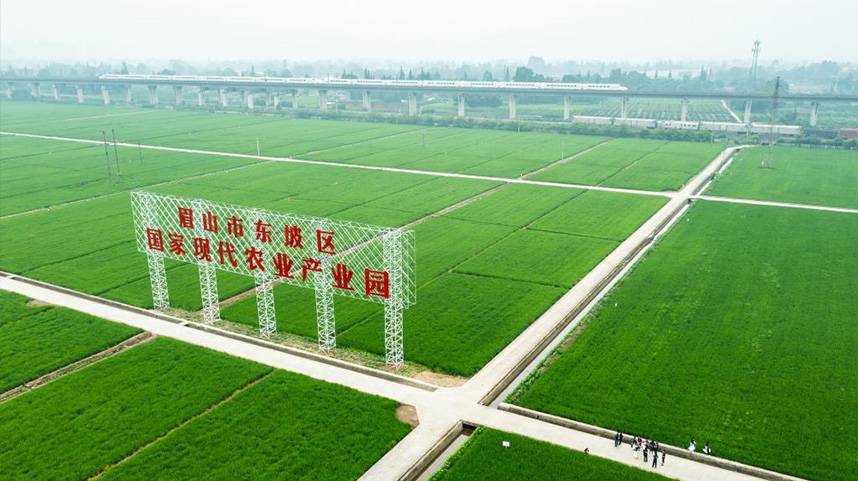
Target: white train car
<point>678,124</point>
<point>758,128</point>
<point>639,123</point>
<point>723,126</point>
<point>592,120</point>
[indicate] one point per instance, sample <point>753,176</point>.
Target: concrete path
<point>442,410</point>
<point>777,204</point>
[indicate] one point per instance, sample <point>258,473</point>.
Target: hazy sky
<point>633,30</point>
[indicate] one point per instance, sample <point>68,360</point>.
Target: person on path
<point>693,446</point>
<point>620,441</point>
<point>655,459</point>
<point>646,450</point>
<point>706,448</point>
<point>663,455</point>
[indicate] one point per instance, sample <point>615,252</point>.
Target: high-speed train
<point>445,84</point>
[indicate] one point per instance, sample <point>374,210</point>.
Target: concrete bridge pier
<point>129,99</point>
<point>412,104</point>
<point>512,106</point>
<point>684,115</point>
<point>9,90</point>
<point>814,113</point>
<point>56,91</point>
<point>367,102</point>
<point>79,92</point>
<point>624,107</point>
<point>153,94</point>
<point>105,94</point>
<point>747,118</point>
<point>461,98</point>
<point>275,100</point>
<point>323,100</point>
<point>567,107</point>
<point>222,95</point>
<point>34,90</point>
<point>295,99</point>
<point>177,91</point>
<point>248,99</point>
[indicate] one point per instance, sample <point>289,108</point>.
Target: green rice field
<point>37,340</point>
<point>797,175</point>
<point>738,329</point>
<point>483,457</point>
<point>75,219</point>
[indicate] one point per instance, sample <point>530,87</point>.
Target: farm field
<point>457,281</point>
<point>484,458</point>
<point>74,427</point>
<point>285,427</point>
<point>798,175</point>
<point>635,163</point>
<point>37,340</point>
<point>160,401</point>
<point>762,366</point>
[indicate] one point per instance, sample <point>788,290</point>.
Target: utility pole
<point>770,152</point>
<point>116,153</point>
<point>107,156</point>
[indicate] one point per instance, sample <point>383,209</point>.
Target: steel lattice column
<point>326,324</point>
<point>265,305</point>
<point>208,291</point>
<point>393,345</point>
<point>158,278</point>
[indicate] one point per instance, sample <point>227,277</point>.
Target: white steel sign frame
<point>332,257</point>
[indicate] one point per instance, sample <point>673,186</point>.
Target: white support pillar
<point>814,113</point>
<point>129,99</point>
<point>747,118</point>
<point>9,90</point>
<point>177,91</point>
<point>512,106</point>
<point>367,102</point>
<point>393,305</point>
<point>208,291</point>
<point>412,104</point>
<point>153,94</point>
<point>201,98</point>
<point>265,305</point>
<point>624,107</point>
<point>56,91</point>
<point>105,94</point>
<point>275,99</point>
<point>248,99</point>
<point>325,322</point>
<point>323,100</point>
<point>295,99</point>
<point>79,92</point>
<point>684,114</point>
<point>223,100</point>
<point>34,90</point>
<point>158,281</point>
<point>567,107</point>
<point>461,98</point>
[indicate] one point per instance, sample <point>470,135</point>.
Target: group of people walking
<point>649,448</point>
<point>692,446</point>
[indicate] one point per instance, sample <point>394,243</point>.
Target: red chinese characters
<point>226,253</point>
<point>263,231</point>
<point>376,283</point>
<point>342,277</point>
<point>186,217</point>
<point>210,222</point>
<point>283,265</point>
<point>325,241</point>
<point>155,239</point>
<point>177,243</point>
<point>254,259</point>
<point>292,236</point>
<point>235,226</point>
<point>308,265</point>
<point>202,249</point>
